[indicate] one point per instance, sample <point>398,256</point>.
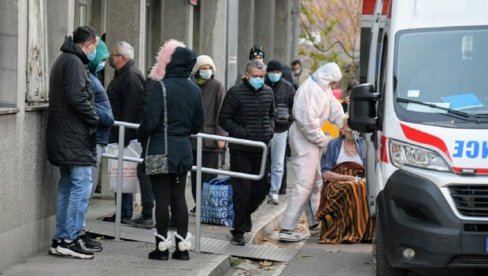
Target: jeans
<point>278,150</point>
<point>74,189</point>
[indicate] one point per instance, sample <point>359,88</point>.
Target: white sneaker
<point>273,199</point>
<point>292,236</point>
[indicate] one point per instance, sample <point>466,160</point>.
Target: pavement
<point>129,256</point>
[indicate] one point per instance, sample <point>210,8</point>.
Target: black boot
<point>178,254</point>
<point>157,254</point>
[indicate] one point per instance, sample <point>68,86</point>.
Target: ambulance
<point>424,115</point>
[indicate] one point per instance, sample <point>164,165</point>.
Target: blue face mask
<point>205,74</point>
<point>274,77</point>
<point>91,56</point>
<point>256,83</point>
<point>100,67</point>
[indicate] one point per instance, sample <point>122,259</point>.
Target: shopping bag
<point>217,205</point>
<point>130,182</point>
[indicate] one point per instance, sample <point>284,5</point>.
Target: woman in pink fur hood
<point>172,70</point>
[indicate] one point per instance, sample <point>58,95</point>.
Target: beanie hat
<point>256,51</point>
<point>274,65</point>
<point>203,60</point>
<point>102,53</point>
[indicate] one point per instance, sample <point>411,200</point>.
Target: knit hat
<point>102,53</point>
<point>203,60</point>
<point>274,65</point>
<point>256,51</point>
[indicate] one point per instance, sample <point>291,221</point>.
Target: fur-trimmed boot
<point>182,247</point>
<point>162,248</point>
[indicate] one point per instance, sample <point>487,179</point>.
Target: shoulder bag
<point>158,163</point>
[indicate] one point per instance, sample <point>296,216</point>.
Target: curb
<point>269,227</point>
<point>221,268</point>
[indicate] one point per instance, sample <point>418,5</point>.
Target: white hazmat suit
<point>314,104</point>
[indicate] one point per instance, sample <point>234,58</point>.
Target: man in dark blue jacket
<point>248,113</point>
<point>71,134</point>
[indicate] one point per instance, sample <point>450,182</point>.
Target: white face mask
<point>205,74</point>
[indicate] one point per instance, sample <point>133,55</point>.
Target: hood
<point>327,73</point>
<point>70,47</point>
<point>170,60</point>
<point>102,54</point>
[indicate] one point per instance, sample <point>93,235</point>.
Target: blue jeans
<point>74,189</point>
<point>278,150</point>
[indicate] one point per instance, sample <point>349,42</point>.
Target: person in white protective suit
<point>314,104</point>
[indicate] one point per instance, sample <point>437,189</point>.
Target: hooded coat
<point>72,121</point>
<point>184,106</point>
<point>314,104</point>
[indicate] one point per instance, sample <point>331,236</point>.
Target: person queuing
<point>184,112</point>
<point>126,96</point>
<point>213,93</point>
<point>105,123</point>
<point>283,98</point>
<point>313,105</point>
<point>248,113</point>
<point>71,139</point>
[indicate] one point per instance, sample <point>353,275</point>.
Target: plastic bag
<point>130,182</point>
<point>217,204</point>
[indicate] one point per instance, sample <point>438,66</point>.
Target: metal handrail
<point>198,168</point>
<point>120,158</point>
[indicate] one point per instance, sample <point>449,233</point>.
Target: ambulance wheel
<point>383,267</point>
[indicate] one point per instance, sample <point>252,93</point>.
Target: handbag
<point>158,163</point>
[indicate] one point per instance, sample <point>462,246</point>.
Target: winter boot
<point>162,248</point>
<point>182,247</point>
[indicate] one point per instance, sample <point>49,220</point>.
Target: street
<point>349,260</point>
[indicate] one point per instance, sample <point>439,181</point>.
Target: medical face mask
<point>274,77</point>
<point>100,67</point>
<point>256,83</point>
<point>91,56</point>
<point>205,74</point>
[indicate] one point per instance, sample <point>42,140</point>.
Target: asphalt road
<point>349,260</point>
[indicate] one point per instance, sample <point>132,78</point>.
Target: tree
<point>330,32</point>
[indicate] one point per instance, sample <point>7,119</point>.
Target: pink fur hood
<point>158,71</point>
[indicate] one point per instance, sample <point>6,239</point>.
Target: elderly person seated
<point>343,211</point>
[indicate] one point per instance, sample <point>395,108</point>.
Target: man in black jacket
<point>248,113</point>
<point>125,92</point>
<point>283,98</point>
<point>71,139</point>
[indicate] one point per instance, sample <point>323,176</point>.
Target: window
<point>8,53</point>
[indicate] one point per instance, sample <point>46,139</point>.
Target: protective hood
<point>327,73</point>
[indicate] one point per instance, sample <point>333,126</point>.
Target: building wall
<point>31,33</point>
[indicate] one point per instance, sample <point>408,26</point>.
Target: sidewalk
<point>129,257</point>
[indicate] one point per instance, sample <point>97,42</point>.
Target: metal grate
<point>471,200</point>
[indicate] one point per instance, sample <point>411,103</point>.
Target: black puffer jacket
<point>284,92</point>
<point>248,114</point>
<point>72,122</point>
<point>185,112</point>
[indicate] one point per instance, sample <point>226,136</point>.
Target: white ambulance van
<point>425,119</point>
